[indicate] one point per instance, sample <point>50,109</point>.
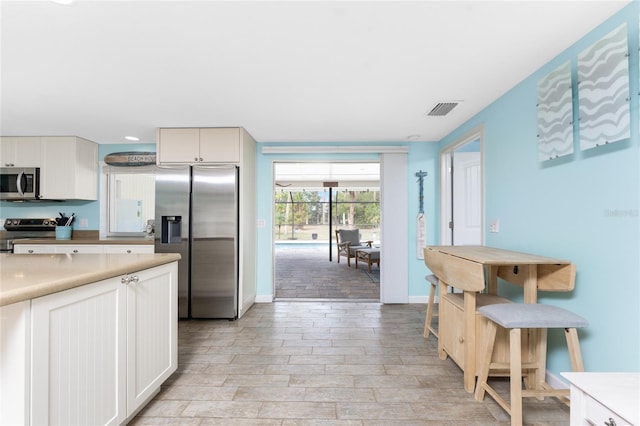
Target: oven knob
<point>15,221</point>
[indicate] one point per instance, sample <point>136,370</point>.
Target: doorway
<point>311,201</point>
<point>462,195</point>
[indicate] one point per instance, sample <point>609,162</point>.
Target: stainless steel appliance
<point>197,216</point>
<point>19,183</point>
<point>16,229</point>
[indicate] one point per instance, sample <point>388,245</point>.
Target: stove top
<point>16,224</point>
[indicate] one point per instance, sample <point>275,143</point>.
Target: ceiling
<point>286,71</point>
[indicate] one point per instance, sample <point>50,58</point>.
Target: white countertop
<point>27,276</point>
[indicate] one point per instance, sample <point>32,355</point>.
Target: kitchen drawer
<point>128,248</point>
<point>602,398</point>
<point>79,248</point>
<point>597,414</point>
<point>33,249</point>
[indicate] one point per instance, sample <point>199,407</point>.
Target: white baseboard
<point>555,381</point>
<point>421,299</point>
<point>268,298</point>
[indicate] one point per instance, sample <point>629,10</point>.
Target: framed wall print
<point>603,89</point>
<point>555,114</point>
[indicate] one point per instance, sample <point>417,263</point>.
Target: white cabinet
<point>194,145</point>
<point>83,248</point>
<point>152,327</point>
<point>20,151</point>
<point>127,248</point>
<point>101,351</point>
<point>68,164</point>
<point>69,168</point>
<point>33,249</point>
<point>220,145</point>
<point>15,336</point>
<point>78,357</point>
<point>57,248</point>
<point>78,248</point>
<point>604,398</point>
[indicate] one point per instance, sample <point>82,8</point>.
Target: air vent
<point>442,108</point>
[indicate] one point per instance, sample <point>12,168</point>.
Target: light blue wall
<point>421,156</point>
<point>89,210</point>
<point>584,208</point>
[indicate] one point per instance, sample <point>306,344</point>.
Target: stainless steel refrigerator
<point>197,216</point>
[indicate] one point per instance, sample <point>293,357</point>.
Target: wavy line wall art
<point>603,89</point>
<point>555,114</point>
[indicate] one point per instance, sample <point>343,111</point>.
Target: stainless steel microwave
<point>19,183</point>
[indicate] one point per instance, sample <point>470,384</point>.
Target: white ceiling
<point>286,71</point>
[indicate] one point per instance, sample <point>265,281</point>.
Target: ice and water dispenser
<point>171,229</point>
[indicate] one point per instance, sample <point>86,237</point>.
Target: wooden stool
<point>515,317</point>
<point>433,280</point>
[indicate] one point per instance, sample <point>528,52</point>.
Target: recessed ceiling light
<point>65,2</point>
<point>131,138</point>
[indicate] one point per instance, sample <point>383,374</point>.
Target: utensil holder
<point>63,232</point>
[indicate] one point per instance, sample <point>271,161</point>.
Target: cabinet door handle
<point>135,279</point>
<point>195,159</point>
<point>201,160</point>
<point>30,251</point>
<point>75,251</point>
<point>128,251</point>
<point>611,422</point>
<point>125,279</point>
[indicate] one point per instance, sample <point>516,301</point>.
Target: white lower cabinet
<point>601,398</point>
<point>152,332</point>
<point>100,351</point>
<point>128,248</point>
<point>79,248</point>
<point>78,363</point>
<point>15,335</point>
<point>33,249</point>
<point>83,248</point>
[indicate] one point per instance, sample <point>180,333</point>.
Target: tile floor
<point>322,363</point>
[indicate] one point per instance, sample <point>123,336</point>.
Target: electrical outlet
<point>83,223</point>
<point>494,226</point>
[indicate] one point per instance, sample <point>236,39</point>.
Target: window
<point>304,214</point>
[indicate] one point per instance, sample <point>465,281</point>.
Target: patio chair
<point>348,241</point>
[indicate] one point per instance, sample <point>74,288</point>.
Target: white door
<point>467,198</point>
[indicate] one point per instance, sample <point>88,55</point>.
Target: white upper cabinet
<point>20,151</point>
<point>194,145</point>
<point>220,145</point>
<point>69,168</point>
<point>178,146</point>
